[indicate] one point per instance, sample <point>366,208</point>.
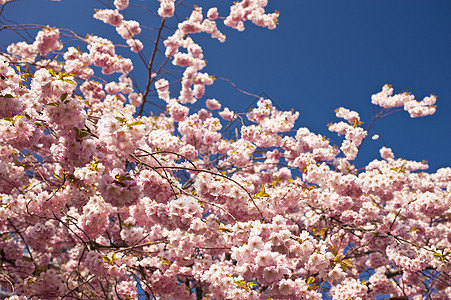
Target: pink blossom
<point>252,10</point>
<point>121,4</point>
<point>177,111</point>
<point>213,104</point>
<point>47,41</point>
<point>386,153</point>
<point>349,288</point>
<point>228,115</point>
<point>101,194</point>
<point>166,9</point>
<point>118,188</point>
<point>109,16</point>
<point>350,116</point>
<point>128,29</point>
<point>385,98</point>
<point>135,45</point>
<point>422,108</point>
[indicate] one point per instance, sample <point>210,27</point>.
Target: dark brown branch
<point>149,68</point>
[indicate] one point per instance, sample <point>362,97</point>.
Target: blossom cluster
<point>101,200</point>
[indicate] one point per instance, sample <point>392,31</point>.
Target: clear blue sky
<point>323,55</point>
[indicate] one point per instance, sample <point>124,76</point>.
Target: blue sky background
<point>324,54</point>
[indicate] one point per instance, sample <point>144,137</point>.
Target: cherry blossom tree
<point>102,199</point>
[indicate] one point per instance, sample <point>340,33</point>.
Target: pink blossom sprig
<point>98,196</point>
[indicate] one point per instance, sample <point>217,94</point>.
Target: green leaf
<point>441,257</point>
<point>107,259</point>
<point>53,104</point>
<point>356,123</point>
<point>413,229</point>
<point>262,193</point>
<point>26,75</point>
<point>57,176</point>
<point>334,251</point>
<point>18,117</point>
<point>312,287</point>
<point>71,178</point>
<point>310,280</point>
<point>343,266</point>
<point>83,134</point>
<point>63,96</point>
<point>242,284</point>
<point>8,96</point>
<point>130,225</point>
<point>70,81</point>
<point>121,120</point>
<point>94,166</point>
<point>167,262</point>
<point>346,264</point>
<point>52,72</point>
<point>137,122</point>
<point>224,229</point>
